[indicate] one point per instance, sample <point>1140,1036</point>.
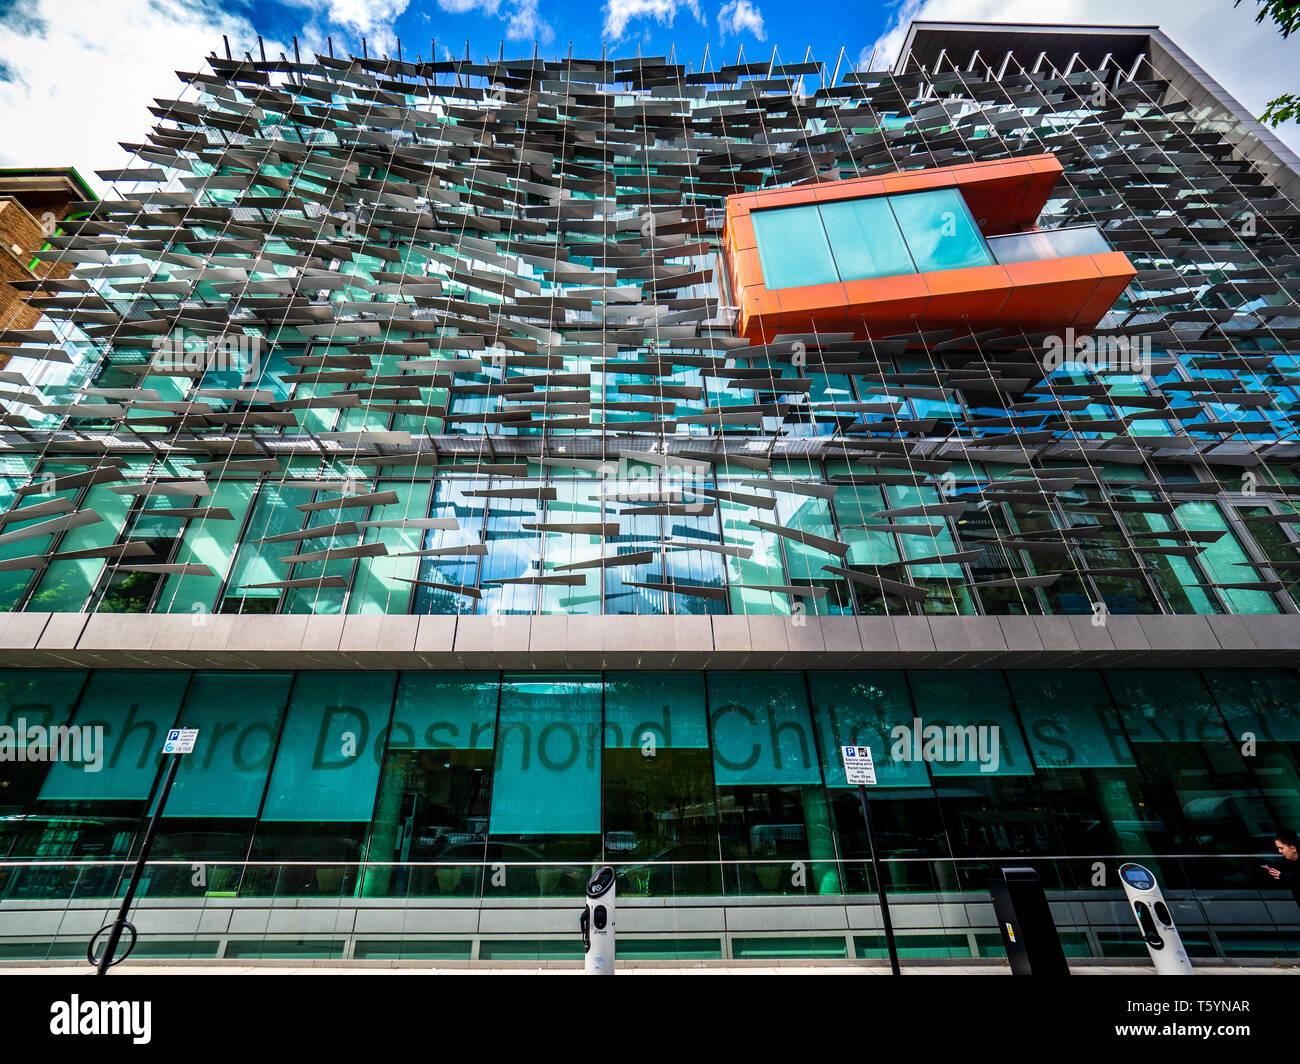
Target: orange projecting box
<point>1016,276</point>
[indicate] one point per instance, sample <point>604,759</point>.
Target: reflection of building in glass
<point>512,467</point>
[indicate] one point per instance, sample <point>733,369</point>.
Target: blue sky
<point>77,76</point>
<point>622,26</point>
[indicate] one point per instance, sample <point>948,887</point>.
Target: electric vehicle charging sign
<point>859,768</point>
<point>180,741</point>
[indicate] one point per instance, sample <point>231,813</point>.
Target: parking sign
<point>180,741</point>
<point>859,768</point>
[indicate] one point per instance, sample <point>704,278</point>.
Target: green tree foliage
<point>1286,14</point>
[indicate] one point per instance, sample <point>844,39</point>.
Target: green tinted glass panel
<point>761,729</point>
<point>274,514</point>
<point>30,699</point>
<point>379,586</point>
<point>238,717</point>
<point>39,697</point>
<point>658,796</point>
<point>65,585</point>
<point>863,709</point>
<point>792,247</point>
<point>209,541</point>
<point>127,713</point>
<point>1223,559</point>
<point>1070,720</point>
<point>939,230</point>
<point>13,582</point>
<point>438,711</point>
<point>434,790</point>
<point>660,708</point>
<point>1167,706</point>
<point>865,239</point>
<point>965,726</point>
<point>1264,702</point>
<point>855,506</point>
<point>327,766</point>
<point>547,777</point>
<point>805,514</point>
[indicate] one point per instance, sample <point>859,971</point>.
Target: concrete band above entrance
<point>184,641</point>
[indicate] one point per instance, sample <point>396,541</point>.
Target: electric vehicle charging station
<point>1155,921</point>
<point>597,923</point>
<point>1025,922</point>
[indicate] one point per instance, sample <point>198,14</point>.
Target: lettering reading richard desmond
<point>324,739</point>
<point>743,740</point>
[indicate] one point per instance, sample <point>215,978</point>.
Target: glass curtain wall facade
<point>965,545</point>
<point>360,342</point>
<point>365,336</point>
<point>470,789</point>
<point>384,784</point>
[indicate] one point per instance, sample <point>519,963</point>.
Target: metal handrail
<point>578,862</point>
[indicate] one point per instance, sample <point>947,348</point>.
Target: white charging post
<point>1155,921</point>
<point>598,924</point>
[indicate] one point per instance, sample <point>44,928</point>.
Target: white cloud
<point>523,18</point>
<point>525,24</point>
<point>739,16</point>
<point>364,16</point>
<point>76,78</point>
<point>1251,61</point>
<point>371,19</point>
<point>81,75</point>
<point>618,13</point>
<point>461,7</point>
